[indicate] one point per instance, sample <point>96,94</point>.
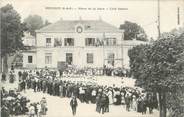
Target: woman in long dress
<point>39,110</point>
<point>110,96</point>
<point>31,111</point>
<point>134,103</point>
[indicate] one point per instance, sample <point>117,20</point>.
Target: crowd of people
<point>73,71</point>
<point>50,82</point>
<point>46,81</point>
<point>15,104</point>
<point>109,71</point>
<point>11,77</point>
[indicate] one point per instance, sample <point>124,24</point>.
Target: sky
<point>142,12</point>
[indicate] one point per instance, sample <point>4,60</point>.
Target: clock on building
<point>79,29</point>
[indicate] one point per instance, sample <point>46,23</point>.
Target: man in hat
<point>127,101</point>
<point>73,104</point>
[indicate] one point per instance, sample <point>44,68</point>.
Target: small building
<point>82,43</point>
<point>29,40</point>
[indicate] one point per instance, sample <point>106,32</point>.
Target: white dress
<point>39,108</point>
<point>31,110</point>
<point>134,104</point>
<point>110,97</point>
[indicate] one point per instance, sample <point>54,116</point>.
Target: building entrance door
<point>69,58</point>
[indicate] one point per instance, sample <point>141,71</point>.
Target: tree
<point>133,31</point>
<point>11,33</point>
<point>156,67</point>
<point>176,98</point>
<point>47,23</point>
<point>33,22</point>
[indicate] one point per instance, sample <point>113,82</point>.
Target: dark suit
<point>73,104</point>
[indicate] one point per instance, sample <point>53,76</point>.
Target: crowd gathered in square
<point>53,83</point>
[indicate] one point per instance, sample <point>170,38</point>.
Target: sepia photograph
<point>92,58</point>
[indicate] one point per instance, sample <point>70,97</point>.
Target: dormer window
<point>79,29</point>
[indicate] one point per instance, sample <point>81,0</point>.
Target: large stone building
<point>83,43</point>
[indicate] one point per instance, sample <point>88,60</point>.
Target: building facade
<point>28,39</point>
<point>82,43</point>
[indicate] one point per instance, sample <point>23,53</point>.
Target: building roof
<point>133,42</point>
<point>27,35</point>
<point>88,26</point>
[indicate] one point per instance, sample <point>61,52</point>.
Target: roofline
<point>119,31</point>
<point>78,20</point>
<point>29,51</point>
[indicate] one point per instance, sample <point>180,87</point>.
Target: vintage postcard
<point>92,58</point>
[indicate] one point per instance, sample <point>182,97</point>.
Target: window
<point>48,42</point>
<point>57,42</point>
<point>69,41</point>
<point>30,59</point>
<point>48,58</point>
<point>90,41</point>
<point>111,59</point>
<point>111,41</point>
<point>99,42</point>
<point>79,29</point>
<point>89,57</point>
<point>69,58</point>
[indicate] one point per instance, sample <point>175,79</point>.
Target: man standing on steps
<point>73,104</point>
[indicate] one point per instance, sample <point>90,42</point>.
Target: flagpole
<point>178,15</point>
<point>103,49</point>
<point>158,19</point>
<point>122,38</point>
